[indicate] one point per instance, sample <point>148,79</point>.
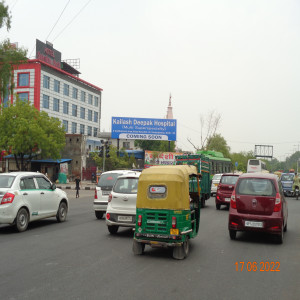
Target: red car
<point>258,204</point>
<point>225,189</point>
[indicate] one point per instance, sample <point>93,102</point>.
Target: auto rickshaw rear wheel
<point>138,248</point>
<point>182,251</point>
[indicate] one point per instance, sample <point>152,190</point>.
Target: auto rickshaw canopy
<point>176,181</point>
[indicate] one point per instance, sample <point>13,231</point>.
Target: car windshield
<point>217,177</point>
<point>6,181</point>
<point>229,179</point>
<point>287,177</point>
<point>256,187</point>
<point>108,179</point>
<point>126,186</point>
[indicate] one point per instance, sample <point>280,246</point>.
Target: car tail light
<point>96,195</point>
<point>107,216</point>
<point>218,197</point>
<point>234,224</point>
<point>233,200</point>
<point>277,206</point>
<point>109,197</point>
<point>140,220</point>
<point>8,198</point>
<point>174,222</point>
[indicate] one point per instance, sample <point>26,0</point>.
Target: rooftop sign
<point>48,54</point>
<point>143,129</point>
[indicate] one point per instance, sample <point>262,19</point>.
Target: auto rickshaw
<point>167,209</point>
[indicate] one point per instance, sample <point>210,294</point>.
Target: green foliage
<point>162,146</point>
<point>26,131</point>
<point>115,162</point>
<point>218,143</point>
<point>5,18</point>
<point>242,159</point>
<point>10,57</point>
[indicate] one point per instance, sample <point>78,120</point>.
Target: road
<point>79,259</point>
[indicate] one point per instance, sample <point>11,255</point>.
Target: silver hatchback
<point>121,208</point>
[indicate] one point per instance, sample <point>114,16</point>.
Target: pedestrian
<point>78,184</point>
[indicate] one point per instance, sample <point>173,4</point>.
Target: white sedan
<point>29,196</point>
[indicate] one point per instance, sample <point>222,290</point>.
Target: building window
<point>96,101</point>
<point>74,127</point>
<point>90,101</point>
<point>90,115</point>
<point>82,96</point>
<point>82,112</point>
<point>126,145</point>
<point>55,104</point>
<point>23,79</point>
<point>75,93</point>
<point>74,110</point>
<point>24,96</point>
<point>66,89</point>
<point>65,125</point>
<point>56,86</point>
<point>95,116</point>
<point>66,107</point>
<point>95,132</point>
<point>46,82</point>
<point>89,130</point>
<point>81,128</point>
<point>46,101</point>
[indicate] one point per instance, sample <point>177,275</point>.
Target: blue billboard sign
<point>143,129</point>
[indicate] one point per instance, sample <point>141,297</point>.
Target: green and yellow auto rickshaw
<point>167,208</point>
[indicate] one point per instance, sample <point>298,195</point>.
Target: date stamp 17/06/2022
<point>263,266</point>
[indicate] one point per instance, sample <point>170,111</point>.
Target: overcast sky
<point>239,58</point>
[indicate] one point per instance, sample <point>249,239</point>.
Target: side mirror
<point>53,186</point>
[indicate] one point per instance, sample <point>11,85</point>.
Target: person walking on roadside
<point>78,184</point>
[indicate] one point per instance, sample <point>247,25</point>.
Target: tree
<point>242,159</point>
<point>209,126</point>
<point>25,132</point>
<point>10,56</point>
<point>115,161</point>
<point>218,143</point>
<point>162,146</point>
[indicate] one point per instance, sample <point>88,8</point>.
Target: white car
<point>214,184</point>
<point>30,196</point>
<point>121,208</point>
<point>103,189</point>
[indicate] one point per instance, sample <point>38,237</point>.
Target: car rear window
<point>217,177</point>
<point>126,186</point>
<point>108,179</point>
<point>229,179</point>
<point>256,187</point>
<point>6,181</point>
<point>287,177</point>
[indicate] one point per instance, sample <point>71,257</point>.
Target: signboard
<point>48,54</point>
<point>143,129</point>
<point>64,168</point>
<point>155,158</point>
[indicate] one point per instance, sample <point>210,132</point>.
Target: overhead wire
<point>72,20</point>
<point>58,19</point>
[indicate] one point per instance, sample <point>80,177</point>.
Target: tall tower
<point>170,109</point>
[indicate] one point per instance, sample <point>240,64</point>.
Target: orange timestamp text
<point>263,266</point>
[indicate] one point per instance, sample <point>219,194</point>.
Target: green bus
<point>218,163</point>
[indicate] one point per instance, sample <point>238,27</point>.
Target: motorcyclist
<point>296,182</point>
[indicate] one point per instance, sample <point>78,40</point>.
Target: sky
<point>237,58</point>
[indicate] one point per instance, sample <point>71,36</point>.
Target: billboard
<point>143,129</point>
<point>155,158</point>
<point>48,54</point>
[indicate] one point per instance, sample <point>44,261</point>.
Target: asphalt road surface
<point>79,259</point>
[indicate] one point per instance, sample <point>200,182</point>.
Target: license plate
<point>254,224</point>
<point>105,192</point>
<point>125,218</point>
<point>216,184</point>
<point>227,199</point>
